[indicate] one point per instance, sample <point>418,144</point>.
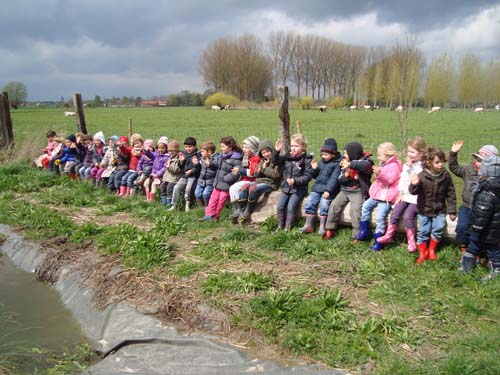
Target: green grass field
<point>369,128</point>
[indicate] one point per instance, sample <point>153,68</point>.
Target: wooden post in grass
<point>284,122</point>
<point>78,104</point>
<point>130,130</point>
<point>7,135</point>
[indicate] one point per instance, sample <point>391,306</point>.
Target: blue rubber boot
<point>377,246</point>
<point>364,230</point>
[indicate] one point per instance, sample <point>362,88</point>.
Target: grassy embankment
<point>334,302</point>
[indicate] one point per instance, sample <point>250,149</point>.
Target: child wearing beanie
<point>172,173</point>
<point>246,171</point>
<point>485,224</point>
<point>159,157</point>
<point>326,174</point>
<point>470,174</point>
<point>145,163</point>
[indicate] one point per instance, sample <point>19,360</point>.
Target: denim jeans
<point>203,192</point>
<point>84,171</point>
<point>430,227</point>
<point>115,180</point>
<point>407,210</point>
<point>463,223</point>
<point>129,178</point>
<point>313,201</point>
<point>382,210</point>
<point>255,191</point>
<point>288,203</point>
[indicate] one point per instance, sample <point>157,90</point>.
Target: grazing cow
<point>226,107</point>
<point>67,114</point>
<point>215,108</point>
<point>375,107</point>
<point>367,107</point>
<point>399,108</point>
<point>435,109</point>
<point>497,107</point>
<point>322,108</point>
<point>353,108</point>
<point>479,109</point>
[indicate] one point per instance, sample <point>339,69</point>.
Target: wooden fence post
<point>7,139</point>
<point>284,122</point>
<point>78,104</point>
<point>130,131</point>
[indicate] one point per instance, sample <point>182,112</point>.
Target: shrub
<point>307,102</point>
<point>336,102</point>
<point>221,100</point>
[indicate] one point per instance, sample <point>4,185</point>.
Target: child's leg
<point>170,192</point>
<point>163,192</point>
<point>423,235</point>
<point>180,185</point>
<point>494,257</point>
<point>312,202</point>
<point>281,209</point>
<point>190,186</point>
<point>381,213</point>
<point>356,200</point>
<point>464,221</point>
<point>211,208</point>
<point>223,198</point>
<point>207,193</point>
<point>291,212</point>
<point>335,210</point>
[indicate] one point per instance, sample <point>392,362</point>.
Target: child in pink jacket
<point>383,192</point>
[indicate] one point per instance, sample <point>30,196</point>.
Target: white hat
<point>100,136</point>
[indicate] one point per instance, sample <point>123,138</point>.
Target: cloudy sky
<point>147,48</point>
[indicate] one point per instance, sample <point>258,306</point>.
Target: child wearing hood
<point>484,232</point>
<point>267,179</point>
<point>354,180</point>
<point>383,193</point>
<point>297,173</point>
<point>98,152</point>
<point>107,164</point>
<point>326,174</point>
<point>247,175</point>
<point>230,157</point>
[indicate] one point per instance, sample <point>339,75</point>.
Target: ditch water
<point>32,316</point>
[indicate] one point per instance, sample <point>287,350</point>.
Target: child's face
<point>326,156</point>
<point>346,156</point>
<point>162,148</point>
<point>87,142</point>
<point>436,165</point>
<point>205,153</point>
<point>138,144</point>
<point>50,138</point>
<point>97,143</point>
<point>110,143</point>
<point>173,153</point>
<point>247,150</point>
<point>413,154</point>
<point>225,148</point>
<point>67,143</point>
<point>266,154</point>
<point>382,158</point>
<point>296,148</point>
<point>476,163</point>
<point>189,148</point>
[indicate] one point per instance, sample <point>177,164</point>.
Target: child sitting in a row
<point>189,173</point>
<point>208,162</point>
<point>159,157</point>
<point>43,160</point>
<point>172,173</point>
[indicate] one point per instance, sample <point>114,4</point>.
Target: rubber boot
<point>389,234</point>
<point>329,234</point>
<point>494,273</point>
<point>164,200</point>
<point>152,197</point>
<point>148,195</point>
<point>309,225</point>
<point>200,202</point>
<point>236,211</point>
<point>188,206</point>
<point>322,222</point>
<point>423,252</point>
<point>468,262</point>
<point>410,238</point>
<point>123,190</point>
<point>364,230</point>
<point>433,244</point>
<point>127,191</point>
<point>289,222</point>
<point>377,246</point>
<point>247,212</point>
<point>281,220</point>
<point>72,176</point>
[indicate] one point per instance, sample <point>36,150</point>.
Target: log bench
<point>268,203</point>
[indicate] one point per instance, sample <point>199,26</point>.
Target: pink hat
<point>163,140</point>
<point>148,143</point>
<point>488,150</point>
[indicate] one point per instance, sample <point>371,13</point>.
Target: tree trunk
<point>7,135</point>
<point>284,120</point>
<point>77,102</point>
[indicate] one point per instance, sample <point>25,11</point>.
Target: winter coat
<point>207,173</point>
<point>224,178</point>
<point>359,176</point>
<point>98,154</point>
<point>385,186</point>
<point>88,156</point>
<point>122,160</point>
<point>173,170</point>
<point>159,162</point>
<point>296,167</point>
<point>144,161</point>
<point>468,173</point>
<point>133,155</point>
<point>81,151</point>
<point>247,170</point>
<point>188,165</point>
<point>436,194</point>
<point>404,181</point>
<point>327,176</point>
<point>68,155</point>
<point>486,211</point>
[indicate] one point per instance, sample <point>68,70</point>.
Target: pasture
<point>369,128</point>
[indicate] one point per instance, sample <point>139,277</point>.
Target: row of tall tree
<point>323,68</point>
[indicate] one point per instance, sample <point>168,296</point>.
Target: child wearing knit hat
<point>470,174</point>
<point>145,163</point>
<point>172,173</point>
<point>246,171</point>
<point>485,225</point>
<point>159,157</point>
<point>326,174</point>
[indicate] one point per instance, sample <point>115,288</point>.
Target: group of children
<point>420,189</point>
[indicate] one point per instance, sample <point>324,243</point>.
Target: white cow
<point>367,107</point>
<point>322,108</point>
<point>479,109</point>
<point>226,107</point>
<point>353,108</point>
<point>497,107</point>
<point>215,108</point>
<point>67,114</point>
<point>435,109</point>
<point>399,108</point>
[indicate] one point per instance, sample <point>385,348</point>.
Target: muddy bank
<point>128,340</point>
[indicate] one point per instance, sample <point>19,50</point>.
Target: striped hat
<point>486,151</point>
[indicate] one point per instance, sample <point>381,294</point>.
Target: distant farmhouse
<point>154,103</point>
